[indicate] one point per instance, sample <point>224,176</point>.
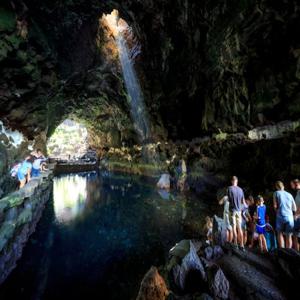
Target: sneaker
<point>235,247</point>
<point>242,249</point>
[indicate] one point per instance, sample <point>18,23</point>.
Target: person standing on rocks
<point>260,216</point>
<point>236,201</point>
<point>285,206</point>
<point>296,233</point>
<point>224,201</point>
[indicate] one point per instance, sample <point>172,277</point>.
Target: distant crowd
<point>247,219</point>
<point>31,166</point>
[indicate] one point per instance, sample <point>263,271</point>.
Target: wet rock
<point>180,249</point>
<point>218,283</point>
<point>209,252</point>
<point>217,252</point>
<point>153,286</point>
<point>191,262</point>
<point>289,261</point>
<point>213,253</point>
<point>164,182</point>
<point>204,297</point>
<point>252,275</point>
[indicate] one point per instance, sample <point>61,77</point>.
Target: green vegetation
<point>7,20</point>
<point>135,168</point>
<point>69,138</point>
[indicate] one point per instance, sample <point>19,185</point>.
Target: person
<point>37,165</point>
<point>251,224</point>
<point>260,217</point>
<point>207,228</point>
<point>285,207</point>
<point>293,189</point>
<point>245,221</point>
<point>296,233</point>
<point>224,201</point>
<point>24,171</point>
<point>270,236</point>
<point>236,200</point>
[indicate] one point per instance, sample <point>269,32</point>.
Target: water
<point>137,106</point>
<point>99,235</point>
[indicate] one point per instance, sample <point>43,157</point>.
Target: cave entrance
<point>69,141</point>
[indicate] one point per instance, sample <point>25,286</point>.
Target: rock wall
<point>14,147</point>
<point>19,214</point>
<point>203,66</point>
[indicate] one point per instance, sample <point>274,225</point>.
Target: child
<point>270,236</point>
<point>251,224</point>
<point>229,235</point>
<point>38,164</point>
<point>207,228</point>
<point>260,216</point>
<point>245,219</point>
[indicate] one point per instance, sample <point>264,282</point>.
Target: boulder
<point>204,296</point>
<point>218,283</point>
<point>213,252</point>
<point>289,261</point>
<point>191,262</point>
<point>153,286</point>
<point>219,231</point>
<point>164,182</point>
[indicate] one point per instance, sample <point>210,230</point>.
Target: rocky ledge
<point>20,212</point>
<point>196,270</point>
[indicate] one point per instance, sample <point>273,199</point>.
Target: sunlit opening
<point>69,194</point>
<point>69,141</point>
<point>115,24</point>
<point>120,43</point>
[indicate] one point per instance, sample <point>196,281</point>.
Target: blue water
<point>99,235</point>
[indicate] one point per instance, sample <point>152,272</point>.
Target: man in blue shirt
<point>285,207</point>
<point>236,200</point>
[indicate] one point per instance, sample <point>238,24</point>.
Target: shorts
<point>260,229</point>
<point>244,224</point>
<point>297,226</point>
<point>285,224</point>
<point>227,222</point>
<point>236,218</point>
<point>21,176</point>
<point>35,172</point>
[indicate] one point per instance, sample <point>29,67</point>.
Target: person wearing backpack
<point>24,171</point>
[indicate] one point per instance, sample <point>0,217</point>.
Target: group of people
<point>30,167</point>
<point>247,219</point>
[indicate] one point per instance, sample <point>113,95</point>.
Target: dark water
<point>99,236</point>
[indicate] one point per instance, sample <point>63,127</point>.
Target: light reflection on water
<point>99,236</point>
<point>69,195</point>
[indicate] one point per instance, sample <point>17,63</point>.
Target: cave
<point>143,112</point>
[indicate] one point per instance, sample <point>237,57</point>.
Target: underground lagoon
<point>149,150</point>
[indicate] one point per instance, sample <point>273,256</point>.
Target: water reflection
<point>70,196</point>
<point>100,235</point>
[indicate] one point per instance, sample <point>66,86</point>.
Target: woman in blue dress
<point>260,216</point>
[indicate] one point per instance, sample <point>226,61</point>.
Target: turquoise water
<point>99,236</point>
